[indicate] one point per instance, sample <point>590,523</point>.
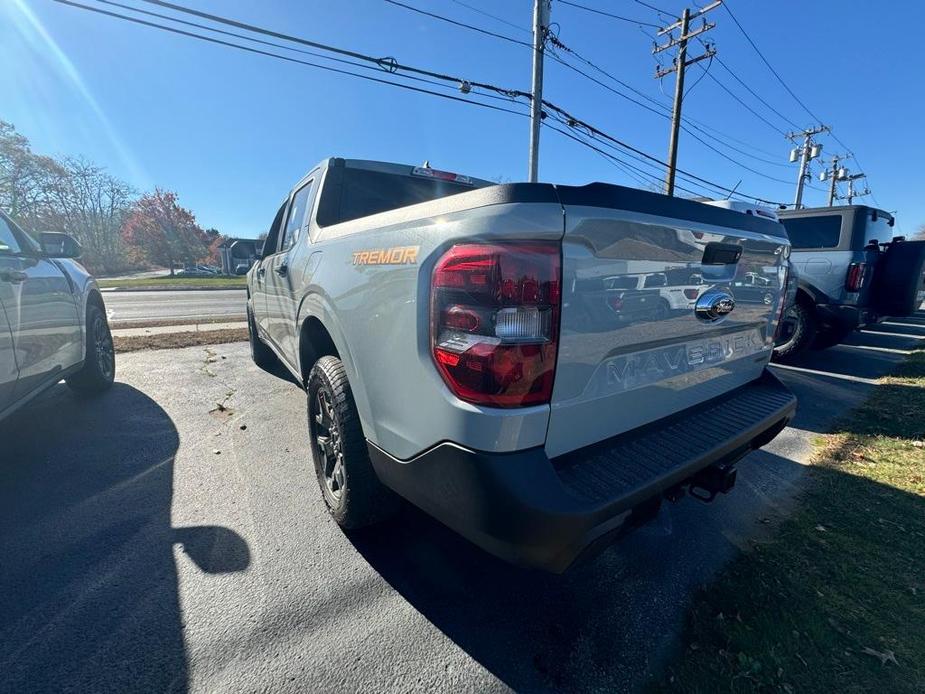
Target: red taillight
<point>855,279</point>
<point>691,293</point>
<point>495,322</point>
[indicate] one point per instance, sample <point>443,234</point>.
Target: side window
<point>8,242</point>
<point>814,232</point>
<point>271,242</point>
<point>297,219</point>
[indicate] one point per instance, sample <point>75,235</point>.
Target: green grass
<point>835,602</point>
<point>178,282</point>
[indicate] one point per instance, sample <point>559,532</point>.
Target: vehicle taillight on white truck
<point>495,321</point>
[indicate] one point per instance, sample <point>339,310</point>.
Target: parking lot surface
<point>170,536</point>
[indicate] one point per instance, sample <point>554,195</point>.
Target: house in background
<point>237,255</point>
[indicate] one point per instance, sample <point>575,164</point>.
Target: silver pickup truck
<point>52,319</point>
<point>467,346</point>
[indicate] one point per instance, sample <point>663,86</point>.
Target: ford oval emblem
<point>712,306</point>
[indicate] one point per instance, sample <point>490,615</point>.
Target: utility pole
<point>835,174</point>
<point>541,11</point>
<point>679,64</point>
<point>851,193</point>
<point>805,153</point>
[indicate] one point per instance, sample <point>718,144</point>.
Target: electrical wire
<point>459,24</point>
<point>204,27</point>
<point>510,94</point>
<point>386,63</point>
<point>652,7</point>
<point>616,160</point>
<point>290,59</point>
<point>787,87</point>
<point>699,79</point>
<point>745,105</point>
<point>768,64</point>
<point>754,93</point>
<point>573,122</point>
<point>607,14</point>
<point>492,16</point>
<point>555,42</point>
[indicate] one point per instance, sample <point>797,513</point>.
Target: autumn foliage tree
<point>162,232</point>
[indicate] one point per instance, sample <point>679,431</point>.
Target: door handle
<point>281,270</point>
<point>14,276</point>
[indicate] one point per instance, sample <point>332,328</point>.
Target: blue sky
<point>232,131</point>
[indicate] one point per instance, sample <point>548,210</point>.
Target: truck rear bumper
<point>845,317</point>
<point>542,513</point>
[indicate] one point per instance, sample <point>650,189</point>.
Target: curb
<point>172,289</point>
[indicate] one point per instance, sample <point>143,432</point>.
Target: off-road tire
<point>262,355</point>
<point>359,499</point>
<point>99,367</point>
<point>803,334</point>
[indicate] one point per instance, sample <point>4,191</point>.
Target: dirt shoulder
<point>135,343</point>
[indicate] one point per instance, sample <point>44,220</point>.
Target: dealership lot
<point>170,536</point>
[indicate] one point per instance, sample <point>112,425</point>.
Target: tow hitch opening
<point>713,480</point>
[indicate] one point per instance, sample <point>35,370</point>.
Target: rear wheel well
<point>804,298</point>
<point>314,342</point>
<point>94,298</point>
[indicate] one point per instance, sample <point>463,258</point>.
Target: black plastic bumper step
<point>669,451</point>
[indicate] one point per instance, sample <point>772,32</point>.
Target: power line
<point>557,43</point>
<point>386,63</point>
<point>614,159</point>
<point>492,16</point>
<point>746,106</point>
<point>652,7</point>
<point>459,24</point>
<point>753,92</point>
<point>715,134</point>
<point>768,64</point>
<point>509,93</point>
<point>573,121</point>
<point>273,44</point>
<point>697,81</point>
<point>787,87</point>
<point>290,59</point>
<point>606,14</point>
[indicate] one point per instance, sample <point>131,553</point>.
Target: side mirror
<point>58,245</point>
<point>259,248</point>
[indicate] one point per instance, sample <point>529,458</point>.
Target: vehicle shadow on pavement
<point>89,598</point>
<point>604,625</point>
<point>609,624</point>
<point>612,623</point>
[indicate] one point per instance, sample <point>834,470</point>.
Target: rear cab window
<point>364,192</point>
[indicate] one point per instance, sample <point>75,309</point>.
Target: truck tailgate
<point>632,349</point>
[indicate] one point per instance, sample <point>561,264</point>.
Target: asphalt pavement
<point>185,304</point>
<point>170,536</point>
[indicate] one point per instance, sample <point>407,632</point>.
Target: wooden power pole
<point>679,64</point>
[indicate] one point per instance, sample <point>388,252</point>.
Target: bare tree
<point>92,205</point>
<point>26,179</point>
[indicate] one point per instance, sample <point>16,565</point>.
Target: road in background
<point>158,305</point>
<point>170,536</point>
